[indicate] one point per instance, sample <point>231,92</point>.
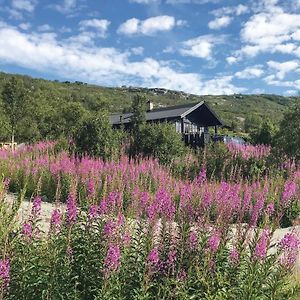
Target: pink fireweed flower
<point>270,209</point>
<point>289,247</point>
<point>126,239</point>
<point>289,242</point>
<point>71,209</point>
<point>36,207</point>
<point>172,258</point>
<point>214,242</point>
<point>234,257</point>
<point>290,189</point>
<point>4,272</point>
<point>56,220</point>
<point>201,178</point>
<point>90,187</point>
<point>112,260</point>
<point>27,229</point>
<point>193,240</point>
<point>153,258</point>
<point>260,251</point>
<point>109,228</point>
<point>93,212</point>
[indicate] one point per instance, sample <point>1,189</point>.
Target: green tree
<point>138,109</point>
<point>96,137</point>
<point>252,123</point>
<point>288,137</point>
<point>159,140</point>
<point>72,114</point>
<point>265,134</point>
<point>15,98</point>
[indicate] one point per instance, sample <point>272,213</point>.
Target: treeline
<point>53,109</point>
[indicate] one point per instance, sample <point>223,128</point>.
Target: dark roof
<point>165,113</point>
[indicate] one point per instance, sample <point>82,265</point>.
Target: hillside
<point>48,97</point>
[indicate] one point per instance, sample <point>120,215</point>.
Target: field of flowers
<point>134,229</point>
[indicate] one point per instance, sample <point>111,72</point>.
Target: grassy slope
<point>229,108</point>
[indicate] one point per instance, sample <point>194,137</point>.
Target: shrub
<point>95,137</point>
<point>158,140</point>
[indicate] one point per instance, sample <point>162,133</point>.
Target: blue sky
<point>198,46</point>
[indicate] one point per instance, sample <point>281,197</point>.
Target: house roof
<point>171,112</point>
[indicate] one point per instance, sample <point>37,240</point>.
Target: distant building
<point>191,120</point>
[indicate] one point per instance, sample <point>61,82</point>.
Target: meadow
<point>198,228</point>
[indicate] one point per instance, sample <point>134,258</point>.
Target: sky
<point>197,46</point>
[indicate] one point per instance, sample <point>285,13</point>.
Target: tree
<point>96,137</point>
<point>138,109</point>
<point>252,123</point>
<point>159,140</point>
<point>265,134</point>
<point>288,137</point>
<point>14,96</point>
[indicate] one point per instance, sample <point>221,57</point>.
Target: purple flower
<point>112,259</point>
<point>36,207</point>
<point>93,212</point>
<point>261,248</point>
<point>214,242</point>
<point>109,228</point>
<point>71,209</point>
<point>27,229</point>
<point>290,189</point>
<point>289,246</point>
<point>4,272</point>
<point>90,187</point>
<point>289,242</point>
<point>193,240</point>
<point>153,258</point>
<point>234,257</point>
<point>270,209</point>
<point>55,222</point>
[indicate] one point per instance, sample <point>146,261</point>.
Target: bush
<point>288,137</point>
<point>158,140</point>
<point>95,137</point>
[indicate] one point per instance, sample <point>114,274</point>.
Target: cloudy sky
<point>198,46</point>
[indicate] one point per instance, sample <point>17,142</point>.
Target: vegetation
<point>52,105</point>
<point>131,230</point>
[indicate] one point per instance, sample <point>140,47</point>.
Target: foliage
<point>265,134</point>
<point>48,99</point>
<point>288,137</point>
<point>95,137</point>
<point>14,97</point>
<point>159,140</point>
<point>131,230</point>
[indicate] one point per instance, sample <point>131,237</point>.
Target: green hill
<point>49,98</point>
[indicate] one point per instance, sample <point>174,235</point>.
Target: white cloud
<point>191,1</point>
<point>67,6</point>
<point>108,66</point>
<point>250,72</point>
<point>25,5</point>
<point>231,59</point>
<point>220,22</point>
<point>145,1</point>
<point>149,26</point>
<point>101,26</point>
<point>230,10</point>
<point>201,46</point>
<point>284,67</point>
<point>25,26</point>
<point>270,31</point>
<point>137,50</point>
<point>44,27</point>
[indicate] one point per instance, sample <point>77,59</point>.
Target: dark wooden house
<point>191,120</point>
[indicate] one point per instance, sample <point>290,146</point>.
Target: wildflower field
<point>199,228</point>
